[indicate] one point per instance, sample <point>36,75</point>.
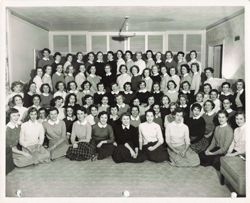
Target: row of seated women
<point>187,145</point>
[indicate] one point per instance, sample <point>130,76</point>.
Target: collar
<point>79,61</point>
<point>45,59</point>
<point>183,106</point>
<point>86,91</point>
<point>196,73</point>
<point>12,125</point>
<point>143,91</point>
<point>172,91</point>
<point>147,78</point>
<point>70,74</point>
<point>210,113</point>
<point>91,62</point>
<point>210,78</point>
<point>196,118</point>
<point>174,76</point>
<point>106,105</point>
<point>156,92</point>
<point>159,61</point>
<point>102,93</point>
<point>150,59</point>
<point>91,75</point>
<point>45,94</point>
<point>193,60</point>
<point>129,60</point>
<point>155,74</point>
<point>225,124</point>
<point>226,94</point>
<point>240,92</point>
<point>127,127</point>
<point>53,122</point>
<point>99,61</point>
<point>30,122</point>
<point>229,110</point>
<point>158,115</point>
<point>82,123</point>
<point>81,73</point>
<point>186,92</point>
<point>186,74</point>
<point>108,74</point>
<point>59,74</point>
<point>130,92</point>
<point>121,106</point>
<point>165,75</point>
<point>169,60</point>
<point>73,91</point>
<point>117,92</point>
<point>46,74</point>
<point>70,118</point>
<point>135,119</point>
<point>102,126</point>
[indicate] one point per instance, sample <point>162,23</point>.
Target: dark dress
<point>128,98</point>
<point>108,80</point>
<point>158,97</point>
<point>242,99</point>
<point>171,64</point>
<point>76,66</point>
<point>27,100</point>
<point>111,98</point>
<point>100,68</point>
<point>129,136</point>
<point>69,123</point>
<point>190,96</point>
<point>113,66</point>
<point>164,112</point>
<point>98,98</point>
<point>160,64</point>
<point>143,96</point>
<point>156,78</point>
<point>135,80</point>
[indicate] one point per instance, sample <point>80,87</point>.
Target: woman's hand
<point>75,145</point>
<point>230,154</point>
<point>115,144</point>
<point>99,144</point>
<point>151,148</point>
<point>133,154</point>
<point>183,153</point>
<point>208,153</point>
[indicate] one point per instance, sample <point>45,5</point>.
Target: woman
<point>92,118</point>
<point>123,77</point>
<point>239,96</point>
<point>61,90</point>
<point>135,118</point>
<point>223,137</point>
<point>159,62</point>
<point>38,79</point>
<point>227,104</point>
<point>58,76</point>
<point>238,145</point>
<point>185,89</point>
<point>47,76</point>
<point>157,93</point>
<point>177,138</point>
<point>126,141</point>
<point>93,78</point>
<point>225,93</point>
<point>86,90</point>
<point>140,63</point>
<point>111,62</point>
<point>71,100</point>
<point>91,58</point>
<point>80,76</point>
<point>170,62</point>
<point>99,94</point>
<point>103,136</point>
<point>193,56</point>
<point>83,149</point>
<point>146,77</point>
<point>69,74</point>
<point>155,76</point>
<point>36,101</point>
<point>173,75</point>
<point>196,79</point>
<point>164,78</point>
<point>69,120</point>
<point>18,104</point>
<point>129,59</point>
<point>99,64</point>
<point>169,118</point>
<point>31,139</point>
<point>150,61</point>
<point>128,94</point>
<point>214,97</point>
<point>46,96</point>
<point>109,77</point>
<point>120,60</point>
<point>78,62</point>
<point>151,139</point>
<point>46,60</point>
<point>123,108</point>
<point>171,92</point>
<point>136,77</point>
<point>27,100</point>
<point>104,106</point>
<point>181,61</point>
<point>57,57</point>
<point>184,72</point>
<point>69,59</point>
<point>55,130</point>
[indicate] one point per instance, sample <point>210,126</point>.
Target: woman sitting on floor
<point>56,133</point>
<point>31,140</point>
<point>126,139</point>
<point>178,141</point>
<point>82,149</point>
<point>103,136</point>
<point>223,137</point>
<point>151,139</point>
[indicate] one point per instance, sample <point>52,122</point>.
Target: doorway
<point>215,59</point>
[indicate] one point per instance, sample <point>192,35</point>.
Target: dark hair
<point>210,69</point>
<point>127,83</point>
<point>172,55</point>
<point>99,52</point>
<point>92,106</point>
<point>186,66</point>
<point>57,54</point>
<point>68,96</point>
<point>68,55</point>
<point>178,110</point>
<point>84,83</point>
<point>110,52</point>
<point>183,95</point>
<point>125,114</point>
<point>142,81</point>
<point>135,99</point>
<point>46,49</point>
<point>135,66</point>
<point>130,52</point>
<point>207,84</point>
<point>102,113</point>
<point>123,65</point>
<point>45,84</point>
<point>79,52</point>
<point>223,112</point>
<point>36,95</point>
<point>31,83</point>
<point>68,85</point>
<point>214,90</point>
<point>211,102</point>
<point>150,110</point>
<point>45,68</point>
<point>166,97</point>
<point>59,64</point>
<point>185,82</point>
<point>53,109</point>
<point>32,109</point>
<point>176,71</point>
<point>180,52</point>
<point>149,51</point>
<point>119,95</point>
<point>42,109</point>
<point>143,73</point>
<point>196,105</point>
<point>197,66</point>
<point>133,106</point>
<point>86,97</point>
<point>91,53</point>
<point>158,52</point>
<point>14,97</point>
<point>92,65</point>
<point>53,102</point>
<point>15,84</point>
<point>240,113</point>
<point>39,68</point>
<point>225,83</point>
<point>59,82</point>
<point>12,111</point>
<point>81,108</point>
<point>120,52</point>
<point>193,51</point>
<point>113,106</point>
<point>98,84</point>
<point>241,80</point>
<point>172,82</point>
<point>227,98</point>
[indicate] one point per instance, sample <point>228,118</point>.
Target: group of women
<point>132,110</point>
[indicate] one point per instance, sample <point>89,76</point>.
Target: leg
<point>222,179</point>
<point>105,151</point>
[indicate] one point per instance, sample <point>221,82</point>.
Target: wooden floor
<point>65,178</point>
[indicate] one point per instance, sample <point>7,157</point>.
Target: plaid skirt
<point>201,145</point>
<point>83,152</point>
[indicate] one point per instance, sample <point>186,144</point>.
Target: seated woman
<point>183,104</point>
<point>114,91</point>
<point>69,120</point>
<point>31,139</point>
<point>80,76</point>
<point>223,137</point>
<point>150,103</point>
<point>127,141</point>
<point>61,90</point>
<point>158,118</point>
<point>226,92</point>
<point>178,141</point>
<point>18,104</point>
<point>157,93</point>
<point>83,149</point>
<point>173,75</point>
<point>214,97</point>
<point>128,94</point>
<point>198,100</point>
<point>103,136</point>
<point>206,90</point>
<point>135,118</point>
<point>58,76</point>
<point>185,89</point>
<point>165,101</point>
<point>227,104</point>
<point>93,78</point>
<point>197,127</point>
<point>238,145</point>
<point>42,115</point>
<point>136,77</point>
<point>85,90</point>
<point>58,103</point>
<point>142,93</point>
<point>71,100</point>
<point>104,106</point>
<point>114,118</point>
<point>99,94</point>
<point>16,88</point>
<point>169,118</point>
<point>72,87</point>
<point>87,101</point>
<point>151,139</point>
<point>92,118</point>
<point>155,76</point>
<point>123,108</point>
<point>55,130</point>
<point>185,76</point>
<point>36,101</point>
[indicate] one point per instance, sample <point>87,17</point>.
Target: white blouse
<point>239,141</point>
<point>150,132</point>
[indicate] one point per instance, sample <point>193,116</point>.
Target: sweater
<point>100,134</point>
<point>56,78</point>
<point>82,131</point>
<point>196,129</point>
<point>125,135</point>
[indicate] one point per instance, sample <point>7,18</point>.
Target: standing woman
<point>150,61</point>
<point>140,63</point>
<point>57,57</point>
<point>177,138</point>
<point>83,149</point>
<point>46,60</point>
<point>120,60</point>
<point>129,59</point>
<point>78,62</point>
<point>143,93</point>
<point>112,62</point>
<point>91,58</point>
<point>147,79</point>
<point>47,76</point>
<point>55,130</point>
<point>99,64</point>
<point>170,62</point>
<point>127,141</point>
<point>151,139</point>
<point>123,77</point>
<point>223,137</point>
<point>155,76</point>
<point>239,96</point>
<point>196,79</point>
<point>31,139</point>
<point>103,136</point>
<point>181,61</point>
<point>58,103</point>
<point>159,62</point>
<point>164,78</point>
<point>109,77</point>
<point>69,59</point>
<point>38,79</point>
<point>80,76</point>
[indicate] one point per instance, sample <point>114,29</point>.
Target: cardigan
<point>156,78</point>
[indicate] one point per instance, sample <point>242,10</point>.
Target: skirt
<point>201,145</point>
<point>83,152</point>
<point>160,154</point>
<point>105,151</point>
<point>58,150</point>
<point>190,160</point>
<point>122,154</point>
<point>211,160</point>
<point>35,154</point>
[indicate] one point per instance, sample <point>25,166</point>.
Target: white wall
<point>233,66</point>
<point>23,38</point>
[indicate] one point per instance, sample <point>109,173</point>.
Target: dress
<point>85,149</point>
<point>56,134</point>
<point>135,80</point>
<point>177,134</point>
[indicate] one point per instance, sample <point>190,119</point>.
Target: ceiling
<point>110,18</point>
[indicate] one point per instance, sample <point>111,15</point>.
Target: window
<point>137,43</point>
<point>193,42</point>
<point>99,43</point>
<point>155,43</point>
<point>61,43</point>
<point>175,42</point>
<point>78,43</point>
<point>115,45</point>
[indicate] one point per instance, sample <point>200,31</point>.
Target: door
<point>217,60</point>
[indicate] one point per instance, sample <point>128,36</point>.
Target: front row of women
<point>124,142</point>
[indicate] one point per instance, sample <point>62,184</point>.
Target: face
<point>39,72</point>
<point>240,120</point>
<point>14,117</point>
<point>156,87</point>
<point>119,55</point>
<point>183,100</point>
<point>58,58</point>
<point>107,69</point>
<point>142,85</point>
<point>100,56</point>
<point>172,108</point>
<point>79,57</point>
<point>114,111</point>
<point>171,86</point>
<point>18,101</point>
<point>70,58</point>
<point>178,117</point>
<point>150,117</point>
<point>199,98</point>
<point>80,115</point>
<point>128,56</point>
<point>94,111</point>
<point>194,68</point>
<point>158,56</point>
<point>151,101</point>
<point>101,87</point>
<point>93,70</point>
<point>192,55</point>
<point>104,119</point>
<point>239,85</point>
<point>61,86</point>
<point>138,56</point>
<point>119,99</point>
<point>183,70</point>
<point>226,104</point>
<point>46,89</point>
<point>149,55</point>
<point>196,112</point>
<point>225,88</point>
<point>105,100</point>
<point>208,107</point>
<point>89,101</point>
<point>46,54</point>
<point>82,68</point>
<point>71,69</point>
<point>33,88</point>
<point>222,118</point>
<point>207,89</point>
<point>49,70</point>
<point>59,69</point>
<point>156,109</point>
<point>168,56</point>
<point>163,70</point>
<point>180,57</point>
<point>146,73</point>
<point>70,112</point>
<point>33,116</point>
<point>58,102</point>
<point>123,69</point>
<point>208,73</point>
<point>185,86</point>
<point>17,88</point>
<point>136,102</point>
<point>114,87</point>
<point>86,86</point>
<point>72,86</point>
<point>91,57</point>
<point>126,120</point>
<point>165,101</point>
<point>134,112</point>
<point>53,115</point>
<point>110,57</point>
<point>42,114</point>
<point>172,71</point>
<point>36,101</point>
<point>134,71</point>
<point>155,69</point>
<point>72,99</point>
<point>213,95</point>
<point>127,88</point>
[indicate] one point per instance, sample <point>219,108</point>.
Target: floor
<point>65,178</point>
